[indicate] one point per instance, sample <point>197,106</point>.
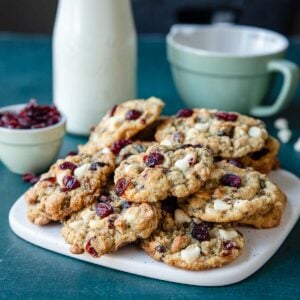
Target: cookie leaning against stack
<point>180,185</point>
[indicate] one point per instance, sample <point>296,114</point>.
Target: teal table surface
<point>27,271</point>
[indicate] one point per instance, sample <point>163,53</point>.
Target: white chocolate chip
<point>166,142</point>
<point>184,163</point>
<point>126,168</point>
<point>221,205</point>
<point>105,150</point>
<point>96,224</point>
<point>87,214</point>
<point>255,132</point>
<point>181,217</point>
<point>297,145</point>
<point>114,122</point>
<point>203,127</point>
<point>131,214</point>
<point>81,171</point>
<point>60,177</point>
<point>191,133</point>
<point>190,253</point>
<point>76,225</point>
<point>281,123</point>
<point>227,234</point>
<point>284,135</point>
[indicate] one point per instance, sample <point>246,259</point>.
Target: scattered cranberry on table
<point>32,116</point>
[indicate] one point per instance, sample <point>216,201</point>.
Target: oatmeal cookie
<point>109,224</point>
<point>270,219</point>
<point>163,171</point>
<point>231,194</point>
<point>122,122</point>
<point>69,185</point>
<point>191,244</point>
<point>227,134</point>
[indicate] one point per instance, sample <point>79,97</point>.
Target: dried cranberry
<point>103,210</point>
<point>67,166</point>
<point>113,110</point>
<point>121,186</point>
<point>184,113</point>
<point>228,245</point>
<point>201,231</point>
<point>70,183</point>
<point>50,179</point>
<point>160,249</point>
<point>96,165</point>
<point>118,145</point>
<point>222,115</point>
<point>169,205</point>
<point>133,114</point>
<point>259,154</point>
<point>153,159</point>
<point>178,137</point>
<point>30,177</point>
<point>231,180</point>
<point>236,163</point>
<point>90,249</point>
<point>32,116</point>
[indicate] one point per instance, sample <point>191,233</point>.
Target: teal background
<point>29,272</point>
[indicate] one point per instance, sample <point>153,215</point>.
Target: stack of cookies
<point>176,185</point>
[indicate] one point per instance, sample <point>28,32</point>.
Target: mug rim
<point>202,52</point>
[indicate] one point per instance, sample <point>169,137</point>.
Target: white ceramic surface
<point>30,150</point>
<point>226,40</point>
<point>259,248</point>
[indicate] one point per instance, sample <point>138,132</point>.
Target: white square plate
<point>260,245</point>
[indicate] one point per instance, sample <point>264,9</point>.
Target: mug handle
<point>290,74</point>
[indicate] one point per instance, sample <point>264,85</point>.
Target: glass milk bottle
<point>94,59</point>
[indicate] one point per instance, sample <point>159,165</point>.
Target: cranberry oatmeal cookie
<point>109,224</point>
<point>269,219</point>
<point>69,185</point>
<point>123,122</point>
<point>163,171</point>
<point>227,134</point>
<point>191,244</point>
<point>231,194</point>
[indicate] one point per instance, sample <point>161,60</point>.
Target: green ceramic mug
<point>230,67</point>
